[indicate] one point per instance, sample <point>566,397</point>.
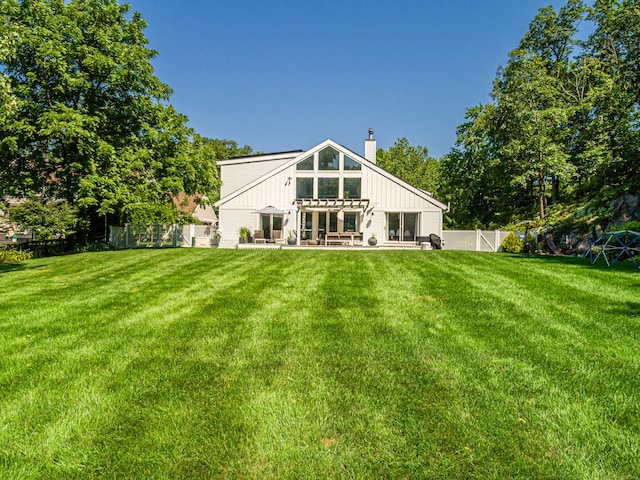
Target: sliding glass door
<point>402,227</point>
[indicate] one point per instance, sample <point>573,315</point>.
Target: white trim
<point>258,158</point>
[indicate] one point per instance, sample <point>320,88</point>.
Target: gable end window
<point>306,164</point>
<point>329,159</point>
<point>350,164</point>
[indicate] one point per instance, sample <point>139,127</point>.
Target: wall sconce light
<point>288,182</point>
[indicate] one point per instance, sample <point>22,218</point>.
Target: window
<point>308,220</point>
<point>393,227</point>
<point>322,223</point>
<point>329,159</point>
<point>350,164</point>
<point>333,221</point>
<point>350,222</point>
<point>306,164</point>
<point>328,187</point>
<point>304,187</point>
<point>409,224</point>
<point>351,188</point>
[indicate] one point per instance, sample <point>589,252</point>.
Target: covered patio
<point>330,221</point>
<point>271,225</point>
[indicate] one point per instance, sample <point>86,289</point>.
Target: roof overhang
<point>270,211</point>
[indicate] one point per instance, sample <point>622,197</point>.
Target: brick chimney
<point>370,147</point>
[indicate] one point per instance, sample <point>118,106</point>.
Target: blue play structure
<point>614,246</point>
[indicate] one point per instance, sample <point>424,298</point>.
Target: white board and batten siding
<point>276,191</point>
<point>430,222</point>
<point>393,196</point>
<point>388,194</point>
<point>238,172</point>
<point>233,219</point>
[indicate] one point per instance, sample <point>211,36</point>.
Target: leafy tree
<point>88,121</point>
<point>613,51</point>
<point>225,149</point>
<point>213,149</point>
<point>410,163</point>
<point>471,174</point>
<point>529,138</point>
<point>551,36</point>
<point>47,219</point>
<point>551,39</point>
<point>533,117</point>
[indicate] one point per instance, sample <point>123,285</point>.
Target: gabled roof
<point>306,153</point>
<point>197,206</point>
<point>205,214</point>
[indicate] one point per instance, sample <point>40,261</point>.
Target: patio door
<point>402,227</point>
<point>269,224</point>
<point>319,223</point>
<point>326,222</point>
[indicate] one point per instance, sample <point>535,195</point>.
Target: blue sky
<point>287,74</point>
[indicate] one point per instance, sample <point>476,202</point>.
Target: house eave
<point>260,158</point>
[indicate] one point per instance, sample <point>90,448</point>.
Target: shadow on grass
<point>18,266</point>
<point>628,309</point>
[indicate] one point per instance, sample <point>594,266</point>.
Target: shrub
<point>46,219</point>
<point>10,254</point>
<point>91,247</point>
<point>634,226</point>
<point>511,244</point>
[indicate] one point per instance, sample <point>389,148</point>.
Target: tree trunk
<point>541,191</point>
<point>555,187</point>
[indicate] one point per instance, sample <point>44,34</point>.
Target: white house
<point>327,194</point>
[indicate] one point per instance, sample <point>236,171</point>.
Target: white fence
<point>204,236</point>
<point>475,240</point>
<point>159,236</point>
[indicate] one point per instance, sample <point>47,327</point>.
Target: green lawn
<point>336,364</point>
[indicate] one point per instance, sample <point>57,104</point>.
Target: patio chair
<point>258,236</point>
<point>277,236</point>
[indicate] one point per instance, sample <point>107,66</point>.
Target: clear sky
<point>287,74</point>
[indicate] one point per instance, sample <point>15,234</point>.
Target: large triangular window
<point>306,164</point>
<point>329,159</point>
<point>350,164</point>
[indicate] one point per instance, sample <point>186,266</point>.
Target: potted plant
<point>245,233</point>
<point>373,241</point>
<point>291,238</point>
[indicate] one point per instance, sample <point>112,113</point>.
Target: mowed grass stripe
<point>145,325</point>
<point>528,331</point>
<point>254,364</point>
